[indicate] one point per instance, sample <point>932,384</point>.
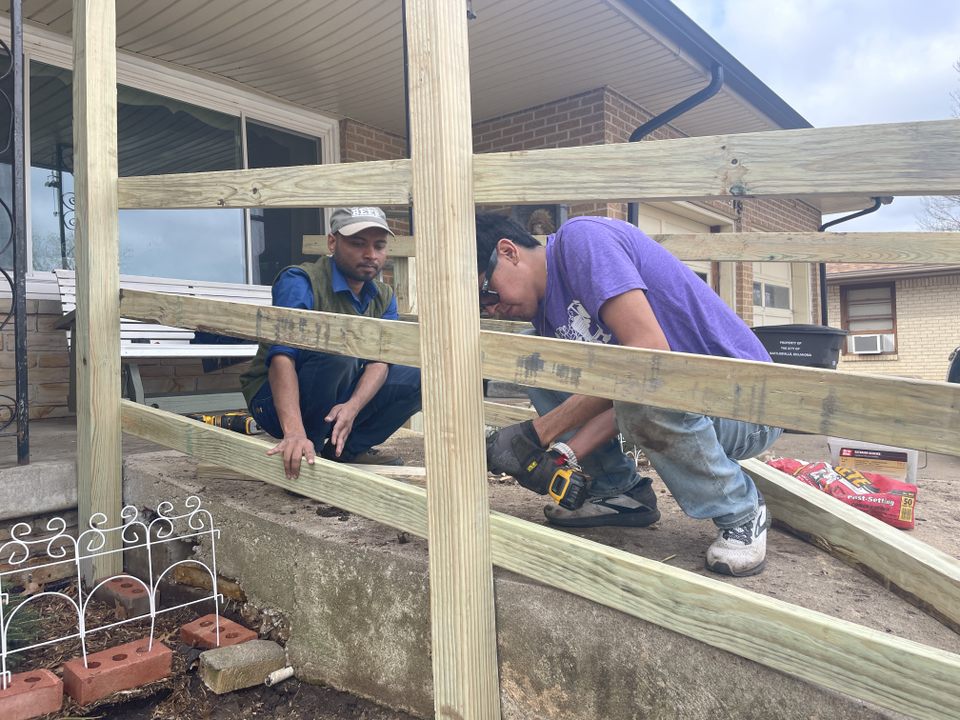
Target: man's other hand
<point>342,417</point>
<point>508,448</point>
<point>294,448</point>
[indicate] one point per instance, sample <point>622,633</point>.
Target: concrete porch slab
<point>356,598</point>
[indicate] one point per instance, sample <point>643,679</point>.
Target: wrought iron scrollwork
<point>8,405</point>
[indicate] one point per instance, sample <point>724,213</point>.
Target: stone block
<point>128,593</point>
<point>240,666</point>
<point>203,632</point>
<point>31,694</point>
<point>114,669</point>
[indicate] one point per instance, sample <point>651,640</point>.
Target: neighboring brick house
<point>173,93</point>
<point>901,320</point>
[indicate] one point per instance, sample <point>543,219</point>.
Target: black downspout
<point>471,15</point>
<point>822,268</point>
<point>716,82</point>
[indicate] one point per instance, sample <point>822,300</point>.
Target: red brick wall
<point>364,143</point>
<point>605,116</point>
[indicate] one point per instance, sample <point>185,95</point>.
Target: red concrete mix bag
<point>886,499</point>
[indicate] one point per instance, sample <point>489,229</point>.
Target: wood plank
<point>384,182</point>
<point>212,471</point>
<point>854,247</point>
<point>919,414</point>
<point>98,278</point>
<point>925,576</point>
<point>399,246</point>
<point>861,247</point>
<point>898,674</point>
<point>919,158</point>
<point>463,628</point>
<point>405,284</point>
<point>500,415</point>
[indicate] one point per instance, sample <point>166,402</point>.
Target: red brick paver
<point>31,694</point>
<point>114,669</point>
<point>130,593</point>
<point>202,633</point>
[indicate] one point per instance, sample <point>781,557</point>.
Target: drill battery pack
<point>239,421</point>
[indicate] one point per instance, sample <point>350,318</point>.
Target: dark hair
<point>491,228</point>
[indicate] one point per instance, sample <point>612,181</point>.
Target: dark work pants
<point>326,380</point>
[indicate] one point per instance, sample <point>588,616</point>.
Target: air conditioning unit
<point>866,344</point>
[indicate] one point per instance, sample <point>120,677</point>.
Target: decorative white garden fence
<point>61,548</point>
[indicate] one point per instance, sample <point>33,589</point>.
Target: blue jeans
<point>326,380</point>
<point>694,455</point>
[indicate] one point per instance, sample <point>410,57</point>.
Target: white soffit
<point>346,57</point>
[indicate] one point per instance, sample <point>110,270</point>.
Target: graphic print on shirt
<point>580,326</point>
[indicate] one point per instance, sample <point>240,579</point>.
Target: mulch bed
<point>182,696</point>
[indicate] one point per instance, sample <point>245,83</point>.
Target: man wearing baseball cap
<point>315,402</point>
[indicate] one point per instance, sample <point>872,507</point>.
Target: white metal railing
<point>61,548</point>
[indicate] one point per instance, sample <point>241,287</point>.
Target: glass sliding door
<point>156,135</point>
<point>276,234</point>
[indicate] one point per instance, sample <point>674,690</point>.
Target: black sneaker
<point>635,508</point>
<point>373,456</point>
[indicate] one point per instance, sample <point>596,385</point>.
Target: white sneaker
<point>742,550</point>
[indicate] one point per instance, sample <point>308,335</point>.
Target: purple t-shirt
<point>593,259</point>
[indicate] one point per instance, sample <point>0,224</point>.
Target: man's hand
<point>342,417</point>
<point>294,447</point>
<point>508,448</point>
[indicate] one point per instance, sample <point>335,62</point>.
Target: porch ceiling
<point>345,57</point>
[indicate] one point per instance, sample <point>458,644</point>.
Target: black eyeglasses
<point>488,297</point>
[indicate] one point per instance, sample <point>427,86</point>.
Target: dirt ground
<point>796,571</point>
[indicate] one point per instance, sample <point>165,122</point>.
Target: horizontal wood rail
<point>921,158</point>
<point>911,413</point>
<point>854,247</point>
<point>500,415</point>
<point>898,674</point>
<point>924,575</point>
<point>385,182</point>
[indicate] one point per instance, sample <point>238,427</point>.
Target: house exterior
<point>230,84</point>
<point>901,320</point>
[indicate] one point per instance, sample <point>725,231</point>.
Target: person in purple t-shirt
<point>603,280</point>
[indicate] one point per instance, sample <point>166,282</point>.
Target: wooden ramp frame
<point>445,179</point>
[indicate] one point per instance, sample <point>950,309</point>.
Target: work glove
<point>508,449</point>
<point>516,450</point>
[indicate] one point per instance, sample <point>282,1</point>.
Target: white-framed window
<point>870,310</point>
<point>169,120</point>
<point>772,293</point>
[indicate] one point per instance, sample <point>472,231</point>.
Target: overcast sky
<point>847,62</point>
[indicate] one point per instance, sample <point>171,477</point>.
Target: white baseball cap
<point>351,220</point>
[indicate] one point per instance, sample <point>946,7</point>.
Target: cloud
<point>844,63</point>
<point>852,62</point>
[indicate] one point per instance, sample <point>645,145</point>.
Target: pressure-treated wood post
<point>98,271</point>
<point>461,579</point>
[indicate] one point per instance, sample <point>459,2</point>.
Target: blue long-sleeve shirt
<point>292,289</point>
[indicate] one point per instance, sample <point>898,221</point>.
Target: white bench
<point>144,341</point>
